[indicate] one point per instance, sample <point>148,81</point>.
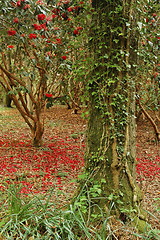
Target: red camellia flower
<point>49,95</point>
<point>64,57</point>
<point>58,40</point>
<point>18,3</point>
<point>26,6</point>
<point>32,35</point>
<point>56,10</point>
<point>16,20</point>
<point>54,16</point>
<point>43,26</point>
<point>75,32</point>
<point>79,28</point>
<point>37,27</point>
<point>70,9</point>
<point>41,16</point>
<point>10,46</point>
<point>11,32</point>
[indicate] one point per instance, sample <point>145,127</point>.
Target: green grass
<point>38,218</point>
<point>23,218</point>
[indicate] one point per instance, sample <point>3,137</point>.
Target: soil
<point>65,134</point>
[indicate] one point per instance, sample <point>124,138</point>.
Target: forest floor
<point>58,162</point>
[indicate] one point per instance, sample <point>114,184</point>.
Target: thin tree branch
<point>150,119</point>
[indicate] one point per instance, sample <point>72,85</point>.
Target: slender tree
<point>110,184</point>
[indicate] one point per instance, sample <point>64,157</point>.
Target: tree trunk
<point>37,134</point>
<point>25,102</point>
<point>7,101</point>
<point>110,185</point>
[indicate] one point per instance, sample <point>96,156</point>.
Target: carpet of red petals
<point>147,169</point>
<point>55,165</point>
<point>59,161</point>
<point>37,170</point>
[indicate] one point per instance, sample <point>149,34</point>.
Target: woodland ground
<point>58,162</point>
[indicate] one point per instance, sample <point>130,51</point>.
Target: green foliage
<point>16,90</point>
<point>151,234</point>
<point>148,67</point>
<point>39,218</point>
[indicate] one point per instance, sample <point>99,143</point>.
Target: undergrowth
<point>36,218</point>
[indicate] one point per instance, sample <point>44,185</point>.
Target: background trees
<point>147,83</point>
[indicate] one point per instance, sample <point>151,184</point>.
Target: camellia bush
<point>36,53</point>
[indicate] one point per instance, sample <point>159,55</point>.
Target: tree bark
<point>37,134</point>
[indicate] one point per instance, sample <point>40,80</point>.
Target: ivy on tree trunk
<point>110,155</point>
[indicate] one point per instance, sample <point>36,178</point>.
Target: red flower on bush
<point>79,28</point>
<point>41,16</point>
<point>54,16</point>
<point>11,32</point>
<point>16,20</point>
<point>49,95</point>
<point>70,9</point>
<point>26,6</point>
<point>18,3</point>
<point>56,10</point>
<point>37,27</point>
<point>75,32</point>
<point>64,57</point>
<point>44,26</point>
<point>32,35</point>
<point>10,46</point>
<point>58,40</point>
